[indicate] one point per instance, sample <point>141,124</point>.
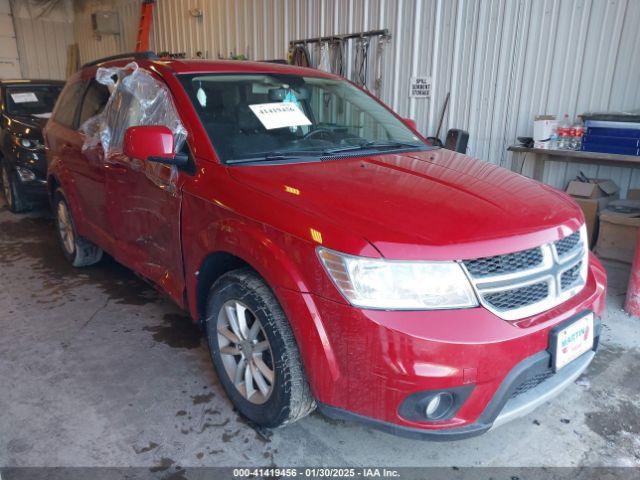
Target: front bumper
<point>363,364</point>
<point>507,404</point>
<point>33,189</point>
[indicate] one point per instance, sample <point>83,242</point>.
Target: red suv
<point>332,256</point>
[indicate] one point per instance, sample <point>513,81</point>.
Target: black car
<point>25,106</point>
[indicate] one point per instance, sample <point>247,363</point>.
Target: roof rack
<point>135,55</point>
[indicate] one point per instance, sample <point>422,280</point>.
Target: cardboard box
<point>633,194</point>
<point>618,233</point>
<point>592,196</point>
<point>594,188</point>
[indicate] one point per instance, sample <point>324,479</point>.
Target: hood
<point>434,204</point>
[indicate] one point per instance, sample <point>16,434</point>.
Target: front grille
<point>518,297</point>
<point>521,284</point>
<point>570,277</point>
<point>567,244</point>
<point>501,264</point>
<point>531,382</point>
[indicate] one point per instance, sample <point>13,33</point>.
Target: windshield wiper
<point>371,146</point>
<point>269,156</point>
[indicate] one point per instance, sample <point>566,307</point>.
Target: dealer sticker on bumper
<point>573,341</point>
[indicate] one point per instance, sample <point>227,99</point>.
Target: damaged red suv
<point>332,256</point>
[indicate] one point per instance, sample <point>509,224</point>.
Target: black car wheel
<point>78,250</point>
<point>11,190</point>
<point>254,351</point>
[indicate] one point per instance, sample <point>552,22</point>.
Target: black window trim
<point>76,114</point>
<point>91,81</point>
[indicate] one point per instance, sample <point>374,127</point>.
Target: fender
<point>263,249</point>
<point>248,241</point>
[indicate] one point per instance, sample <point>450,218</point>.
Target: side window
<point>67,105</point>
<point>95,99</point>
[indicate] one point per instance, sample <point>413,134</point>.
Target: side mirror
<point>153,143</point>
<point>411,123</point>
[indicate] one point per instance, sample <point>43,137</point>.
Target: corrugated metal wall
<point>43,34</point>
<point>9,58</point>
<point>503,61</point>
<point>92,46</point>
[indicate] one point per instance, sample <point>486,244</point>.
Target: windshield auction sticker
<point>279,115</point>
<point>25,97</point>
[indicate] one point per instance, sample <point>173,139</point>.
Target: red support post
<point>146,14</point>
<point>632,303</point>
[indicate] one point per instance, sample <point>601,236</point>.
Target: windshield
<point>32,99</point>
<point>261,117</point>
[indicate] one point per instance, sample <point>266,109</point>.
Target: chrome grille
<point>567,244</point>
<point>521,284</point>
<point>570,276</point>
<point>518,297</point>
<point>512,262</point>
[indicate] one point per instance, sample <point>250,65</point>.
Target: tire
<point>11,191</point>
<point>79,251</point>
<point>289,397</point>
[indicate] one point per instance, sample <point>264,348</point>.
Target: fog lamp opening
<point>438,406</point>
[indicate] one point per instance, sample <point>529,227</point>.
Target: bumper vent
<point>521,284</point>
<point>531,382</point>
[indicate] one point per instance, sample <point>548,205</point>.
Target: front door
<point>143,206</point>
<point>144,198</point>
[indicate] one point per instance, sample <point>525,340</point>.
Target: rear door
<point>64,146</point>
<point>89,166</point>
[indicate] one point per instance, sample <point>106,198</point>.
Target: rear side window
<point>94,101</point>
<point>68,103</point>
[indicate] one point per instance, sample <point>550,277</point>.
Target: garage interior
<point>100,370</point>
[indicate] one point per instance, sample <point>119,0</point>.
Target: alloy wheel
<point>245,352</point>
<point>65,228</point>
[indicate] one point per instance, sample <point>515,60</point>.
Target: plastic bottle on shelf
<point>578,134</point>
<point>553,139</point>
<point>572,137</point>
<point>564,128</point>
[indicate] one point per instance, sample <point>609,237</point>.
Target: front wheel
<point>78,250</point>
<point>11,191</point>
<point>254,351</point>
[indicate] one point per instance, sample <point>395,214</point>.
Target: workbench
<point>542,155</point>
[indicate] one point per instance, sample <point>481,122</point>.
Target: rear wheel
<point>78,250</point>
<point>11,191</point>
<point>254,351</point>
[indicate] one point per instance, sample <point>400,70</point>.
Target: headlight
<point>30,143</point>
<point>398,285</point>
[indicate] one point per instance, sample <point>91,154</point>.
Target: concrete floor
<point>98,370</point>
